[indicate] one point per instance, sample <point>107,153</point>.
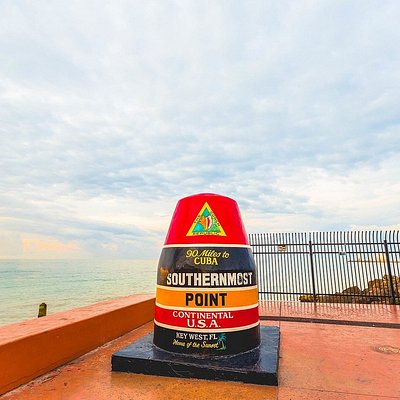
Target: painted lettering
<point>205,299</point>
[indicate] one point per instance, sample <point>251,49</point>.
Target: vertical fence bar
<point>300,263</point>
<point>389,270</point>
<point>287,276</point>
<point>255,255</point>
<point>281,265</point>
<point>261,265</point>
<point>268,267</point>
<point>371,256</point>
<point>265,271</point>
<point>352,278</point>
<point>375,258</point>
<point>363,276</point>
<point>328,264</point>
<point>294,268</point>
<point>322,264</point>
<point>317,253</point>
<point>350,239</point>
<point>310,249</point>
<point>271,265</point>
<point>274,255</point>
<point>346,271</point>
<point>368,263</point>
<point>335,272</point>
<point>394,244</point>
<point>278,264</point>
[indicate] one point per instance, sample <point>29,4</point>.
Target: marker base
<point>258,366</point>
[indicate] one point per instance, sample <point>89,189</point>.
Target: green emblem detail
<point>221,341</point>
<point>206,223</point>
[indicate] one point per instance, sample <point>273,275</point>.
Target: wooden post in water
<point>42,310</point>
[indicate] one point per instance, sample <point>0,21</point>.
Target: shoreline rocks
<point>378,291</point>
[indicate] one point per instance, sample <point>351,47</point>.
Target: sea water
<point>67,284</point>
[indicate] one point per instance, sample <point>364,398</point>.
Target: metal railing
<point>340,267</point>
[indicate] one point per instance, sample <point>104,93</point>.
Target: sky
<point>111,111</point>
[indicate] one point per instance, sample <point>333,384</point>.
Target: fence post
<point>312,270</point>
<point>392,299</point>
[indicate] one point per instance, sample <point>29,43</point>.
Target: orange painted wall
<point>32,348</point>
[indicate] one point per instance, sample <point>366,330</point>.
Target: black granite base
<point>259,366</point>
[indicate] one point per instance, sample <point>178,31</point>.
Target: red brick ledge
<point>31,348</point>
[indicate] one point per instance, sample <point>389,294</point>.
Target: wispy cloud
<point>111,112</point>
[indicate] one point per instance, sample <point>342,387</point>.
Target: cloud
<point>111,112</point>
<point>319,199</point>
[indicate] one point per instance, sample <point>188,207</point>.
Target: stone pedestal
<point>258,366</point>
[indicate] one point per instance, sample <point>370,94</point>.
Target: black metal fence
<point>339,267</point>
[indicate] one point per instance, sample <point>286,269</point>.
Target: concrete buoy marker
<point>206,320</point>
<point>207,298</point>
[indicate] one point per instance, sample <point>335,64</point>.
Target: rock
<point>308,298</point>
<point>352,290</point>
<point>376,284</point>
<point>336,298</point>
<point>377,292</point>
<point>395,281</point>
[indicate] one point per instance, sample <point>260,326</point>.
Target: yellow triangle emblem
<point>206,223</point>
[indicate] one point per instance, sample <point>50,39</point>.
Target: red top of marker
<point>206,218</point>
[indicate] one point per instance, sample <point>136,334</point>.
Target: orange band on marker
<point>217,298</point>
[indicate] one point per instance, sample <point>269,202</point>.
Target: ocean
<point>68,284</point>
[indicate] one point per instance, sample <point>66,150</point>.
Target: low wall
<point>31,348</point>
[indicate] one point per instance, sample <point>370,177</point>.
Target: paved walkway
<point>317,361</point>
<point>344,314</point>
